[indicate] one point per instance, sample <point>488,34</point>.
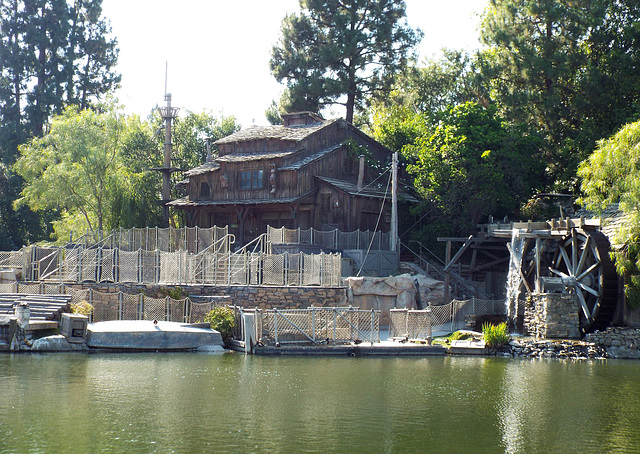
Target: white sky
<point>218,50</point>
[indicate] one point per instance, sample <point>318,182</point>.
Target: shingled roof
<point>612,219</point>
<point>366,191</point>
<point>204,168</point>
<point>293,133</point>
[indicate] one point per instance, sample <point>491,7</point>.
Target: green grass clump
<point>495,335</point>
<point>459,335</point>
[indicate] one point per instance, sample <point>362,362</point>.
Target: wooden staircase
<point>42,307</point>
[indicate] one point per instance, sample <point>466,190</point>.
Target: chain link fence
<point>442,319</point>
<point>315,325</point>
<point>216,266</point>
<point>331,239</point>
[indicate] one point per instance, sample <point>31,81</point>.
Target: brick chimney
<point>301,119</point>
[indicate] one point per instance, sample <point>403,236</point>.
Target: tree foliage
<point>341,52</point>
<point>471,165</point>
<point>612,175</point>
<point>77,167</point>
<point>567,68</point>
<point>95,168</point>
<point>54,53</point>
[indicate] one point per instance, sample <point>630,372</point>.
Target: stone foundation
<point>618,342</point>
<point>552,315</point>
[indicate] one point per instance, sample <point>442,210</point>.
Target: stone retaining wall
<point>617,341</point>
<point>247,296</point>
<point>552,315</point>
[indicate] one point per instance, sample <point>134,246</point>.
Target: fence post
<point>285,266</point>
<point>140,310</point>
<point>452,313</point>
<point>371,332</point>
<point>406,322</point>
<point>275,324</point>
<point>335,319</point>
<point>120,311</point>
<point>156,267</point>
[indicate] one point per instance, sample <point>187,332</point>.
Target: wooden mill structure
<point>563,255</point>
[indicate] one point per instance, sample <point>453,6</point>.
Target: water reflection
<point>232,403</point>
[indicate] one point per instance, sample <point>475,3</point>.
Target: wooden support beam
<point>498,261</point>
<point>459,253</point>
<point>447,274</point>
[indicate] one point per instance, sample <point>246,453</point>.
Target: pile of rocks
<point>618,342</point>
<point>569,349</point>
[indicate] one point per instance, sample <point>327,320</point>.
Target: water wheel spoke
<point>583,256</point>
<point>567,261</point>
<point>583,304</point>
<point>588,289</point>
<point>558,272</point>
<point>588,271</point>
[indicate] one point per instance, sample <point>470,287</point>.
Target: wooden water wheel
<point>580,259</point>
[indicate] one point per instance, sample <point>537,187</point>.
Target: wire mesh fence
<point>191,239</point>
<point>331,239</point>
<point>441,319</point>
<point>123,306</point>
<point>215,266</point>
<point>410,324</point>
<point>317,325</point>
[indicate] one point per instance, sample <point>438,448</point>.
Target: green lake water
<point>198,403</point>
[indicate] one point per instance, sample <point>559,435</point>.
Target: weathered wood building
<point>308,172</point>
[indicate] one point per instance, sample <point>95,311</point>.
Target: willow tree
<point>611,175</point>
<point>342,52</point>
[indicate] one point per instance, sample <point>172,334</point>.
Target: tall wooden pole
<point>393,240</point>
<point>168,113</point>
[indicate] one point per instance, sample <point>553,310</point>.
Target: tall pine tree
<point>52,53</point>
<point>342,52</point>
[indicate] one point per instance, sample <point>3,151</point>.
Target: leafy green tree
<point>54,53</point>
<point>78,168</point>
<point>472,165</point>
<point>611,175</point>
<point>273,114</point>
<point>337,49</point>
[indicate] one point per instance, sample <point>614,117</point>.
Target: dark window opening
<point>348,165</point>
<point>205,190</point>
<point>251,179</point>
<point>325,202</point>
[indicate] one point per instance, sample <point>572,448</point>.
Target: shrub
<point>222,319</point>
<point>495,335</point>
<point>175,293</point>
<point>82,308</point>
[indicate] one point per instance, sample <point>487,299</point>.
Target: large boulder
<point>57,343</point>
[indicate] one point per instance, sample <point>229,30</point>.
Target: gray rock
<point>57,343</point>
